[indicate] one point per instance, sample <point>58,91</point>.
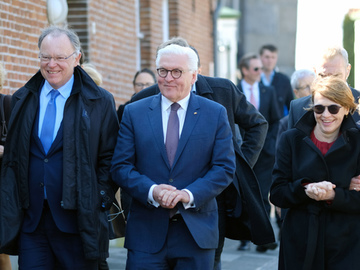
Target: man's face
<point>175,89</point>
<point>333,67</point>
<point>304,85</point>
<point>269,60</point>
<point>253,73</point>
<point>58,73</point>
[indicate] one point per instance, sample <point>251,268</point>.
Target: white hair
<point>179,50</point>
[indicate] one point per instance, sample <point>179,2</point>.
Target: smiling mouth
<point>53,72</point>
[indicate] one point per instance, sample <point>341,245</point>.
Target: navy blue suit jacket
<point>204,164</point>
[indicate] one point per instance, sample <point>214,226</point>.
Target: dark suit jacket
<point>204,164</point>
<point>253,223</point>
<point>284,92</point>
<point>272,115</point>
<point>297,108</point>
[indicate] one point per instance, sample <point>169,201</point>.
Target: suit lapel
<point>155,118</point>
<point>192,116</point>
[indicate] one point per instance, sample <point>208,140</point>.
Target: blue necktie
<point>172,133</point>
<point>47,131</point>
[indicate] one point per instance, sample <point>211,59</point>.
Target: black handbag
<point>3,128</point>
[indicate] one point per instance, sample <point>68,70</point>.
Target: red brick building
<point>118,37</point>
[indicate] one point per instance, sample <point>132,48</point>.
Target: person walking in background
<point>333,61</point>
<point>314,166</point>
<point>241,212</point>
<point>264,99</point>
<point>5,110</point>
<point>62,134</point>
<point>301,81</point>
<point>142,79</point>
<point>174,155</point>
<point>281,82</point>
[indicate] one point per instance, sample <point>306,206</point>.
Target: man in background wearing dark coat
<point>264,99</point>
<point>56,165</point>
<point>281,82</point>
<point>241,211</point>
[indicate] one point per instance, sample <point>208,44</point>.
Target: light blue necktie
<point>47,131</point>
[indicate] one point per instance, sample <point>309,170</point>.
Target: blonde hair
<point>336,90</point>
<point>2,76</point>
<point>93,73</point>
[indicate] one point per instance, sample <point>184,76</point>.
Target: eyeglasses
<point>46,58</point>
<point>175,73</point>
<point>306,87</point>
<point>333,109</point>
<point>143,85</point>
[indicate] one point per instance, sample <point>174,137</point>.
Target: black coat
<point>328,233</point>
<point>89,136</point>
<point>284,92</point>
<point>253,224</point>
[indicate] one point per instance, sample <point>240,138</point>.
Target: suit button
<point>46,160</point>
<point>171,180</point>
<point>41,184</point>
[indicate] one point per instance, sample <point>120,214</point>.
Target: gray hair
<point>179,50</point>
<point>331,52</point>
<point>2,76</point>
<point>300,74</point>
<point>58,31</point>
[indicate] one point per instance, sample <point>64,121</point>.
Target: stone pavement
<point>231,258</point>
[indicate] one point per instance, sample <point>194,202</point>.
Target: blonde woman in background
<point>5,263</point>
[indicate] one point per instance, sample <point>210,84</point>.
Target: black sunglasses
<point>333,109</point>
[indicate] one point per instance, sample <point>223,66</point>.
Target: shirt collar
<point>166,103</point>
<point>64,90</point>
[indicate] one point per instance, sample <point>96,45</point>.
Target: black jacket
<point>315,233</point>
<point>89,136</point>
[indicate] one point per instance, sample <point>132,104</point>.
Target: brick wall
<point>107,30</point>
<point>20,26</point>
<point>112,48</point>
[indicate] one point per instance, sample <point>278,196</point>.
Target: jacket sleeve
<point>253,126</point>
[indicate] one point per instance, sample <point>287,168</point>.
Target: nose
<point>326,112</point>
<point>52,62</point>
<point>168,76</point>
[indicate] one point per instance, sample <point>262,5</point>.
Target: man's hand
<point>168,196</point>
<point>355,183</point>
<point>322,191</point>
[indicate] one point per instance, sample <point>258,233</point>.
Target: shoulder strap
<point>2,119</point>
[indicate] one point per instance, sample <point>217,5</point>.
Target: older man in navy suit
<point>173,219</point>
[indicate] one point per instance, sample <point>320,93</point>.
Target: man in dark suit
<point>334,61</point>
<point>173,220</point>
<point>264,99</point>
<point>241,212</point>
<point>56,165</point>
<point>271,77</point>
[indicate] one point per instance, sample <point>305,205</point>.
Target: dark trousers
<point>180,252</point>
<point>49,248</point>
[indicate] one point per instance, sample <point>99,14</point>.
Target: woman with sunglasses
<point>314,165</point>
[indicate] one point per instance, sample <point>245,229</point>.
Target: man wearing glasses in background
<point>264,99</point>
<point>62,133</point>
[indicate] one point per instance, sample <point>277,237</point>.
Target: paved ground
<point>231,258</point>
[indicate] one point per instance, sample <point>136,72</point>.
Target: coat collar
<point>82,83</point>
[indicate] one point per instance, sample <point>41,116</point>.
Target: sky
<point>319,24</point>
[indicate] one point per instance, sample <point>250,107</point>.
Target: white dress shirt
<point>165,113</point>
